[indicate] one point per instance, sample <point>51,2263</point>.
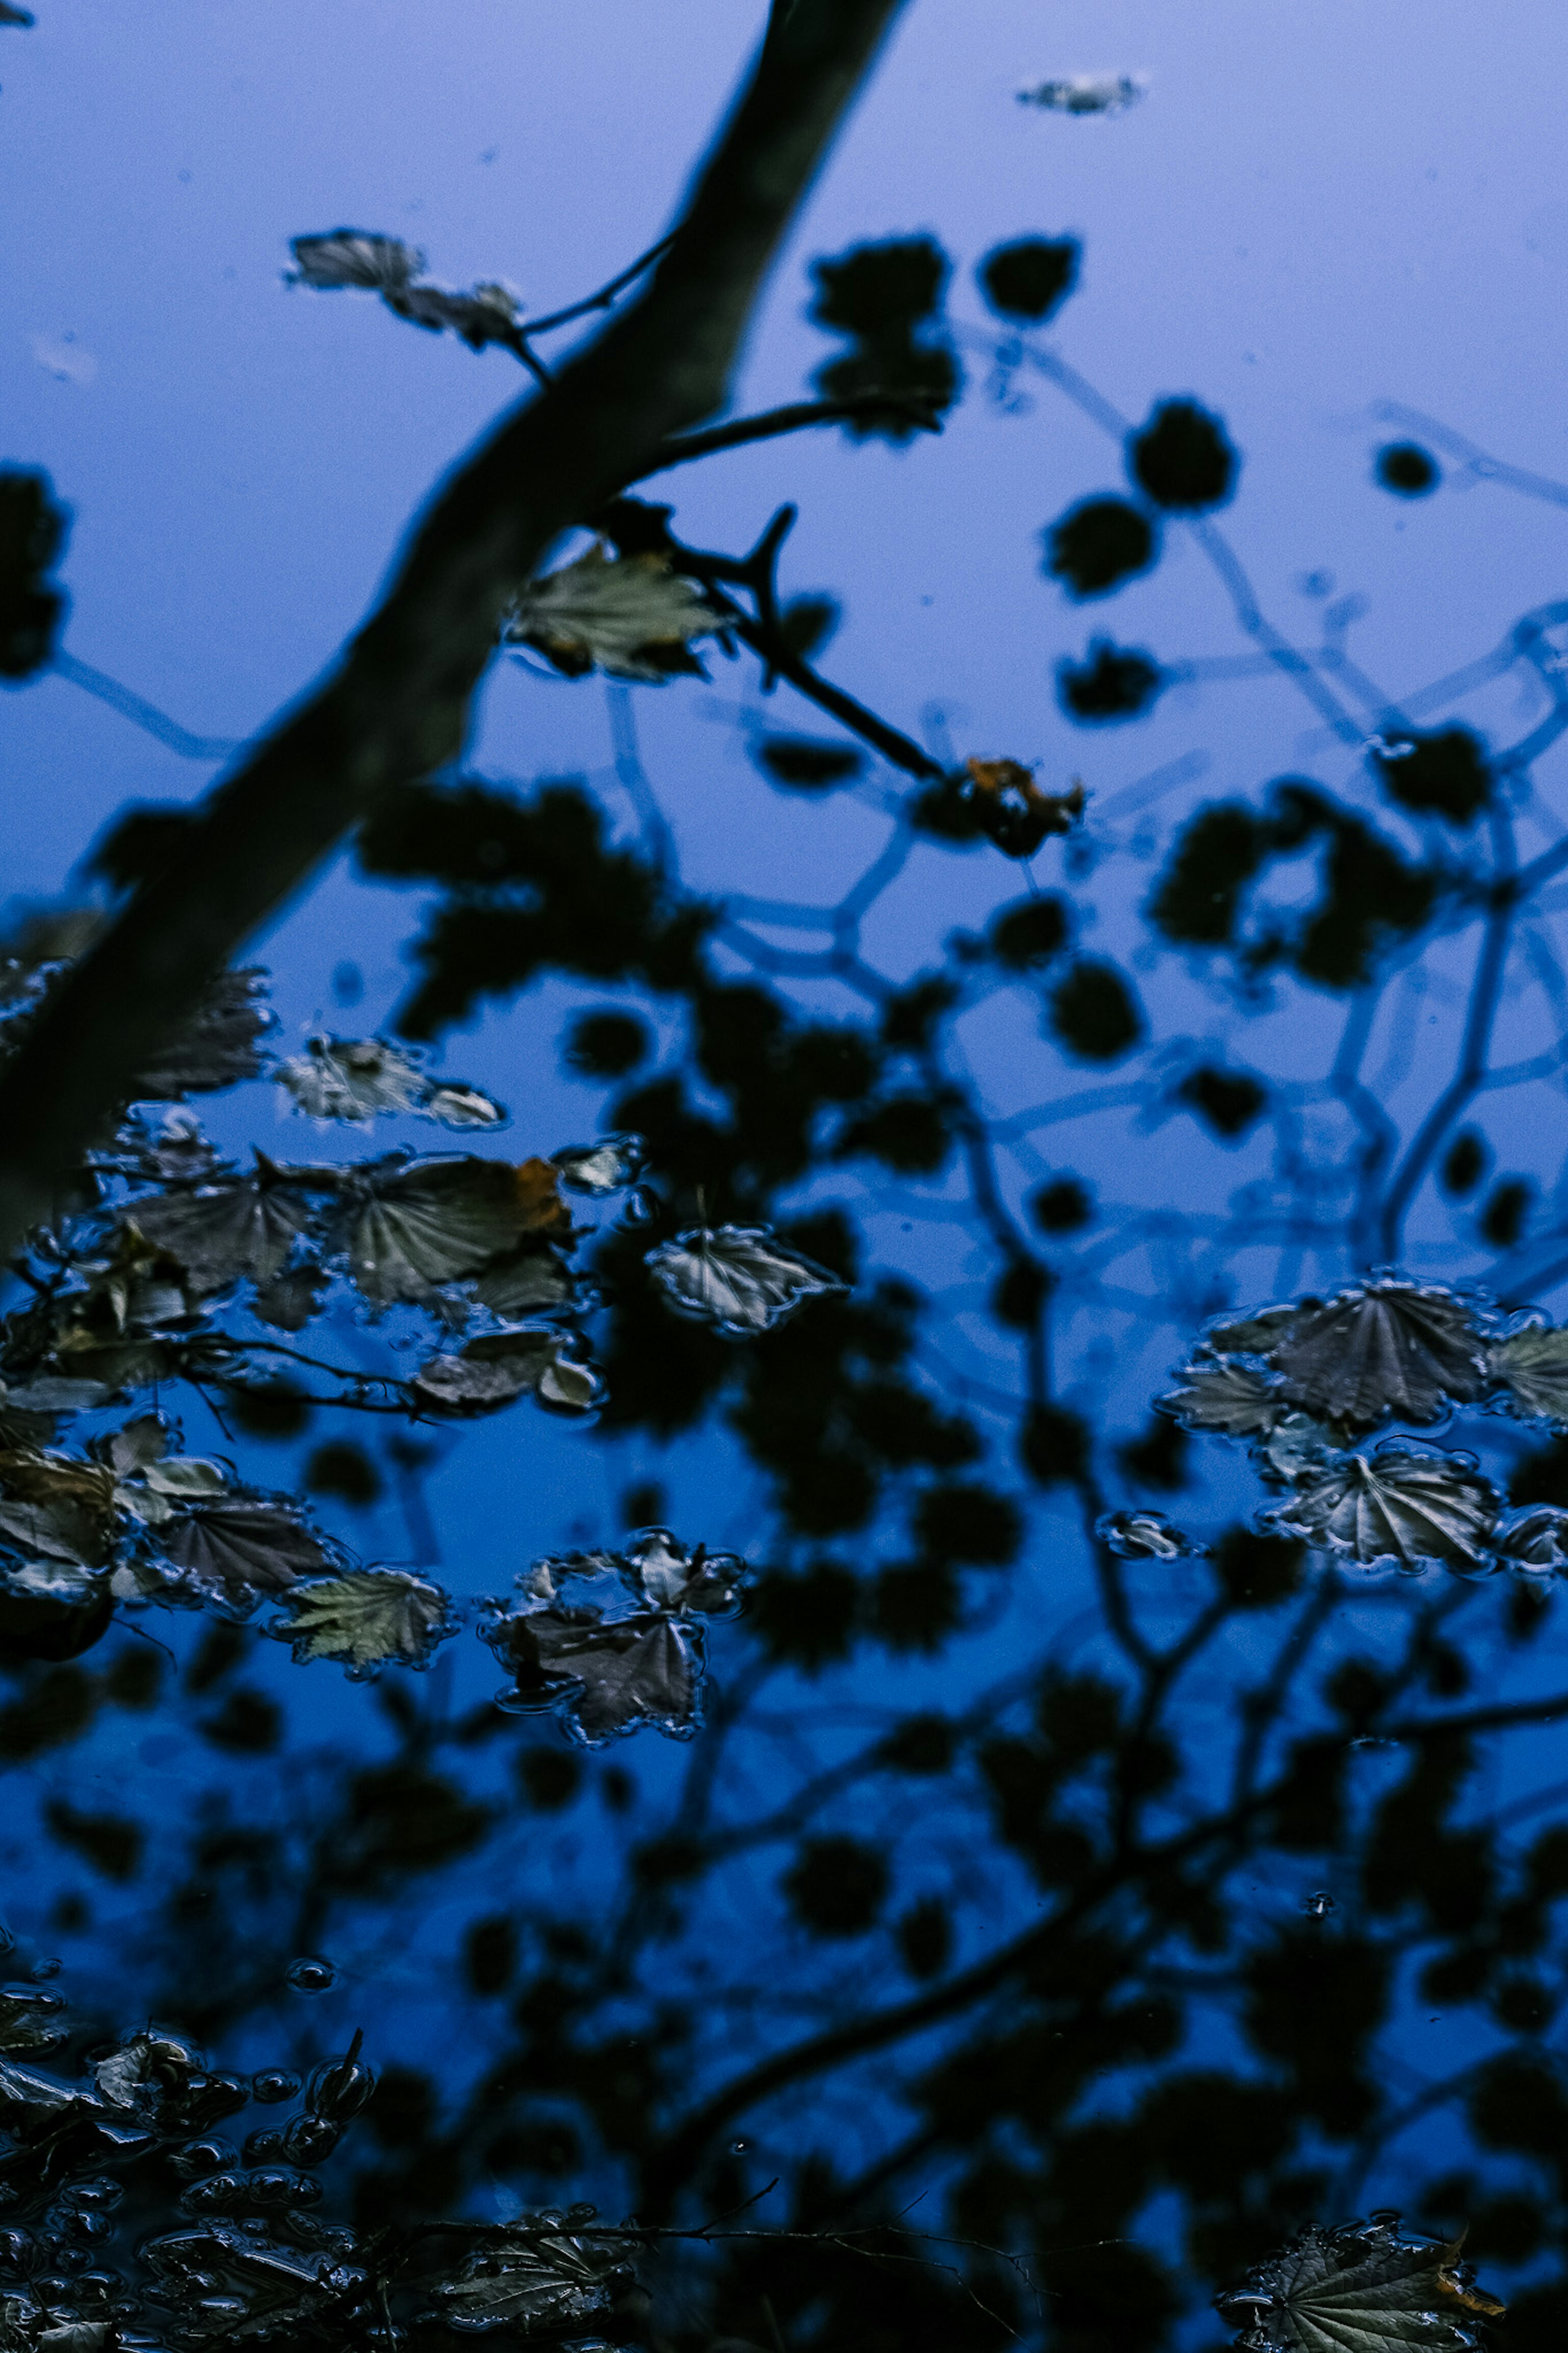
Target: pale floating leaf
<point>52,1393</point>
<point>740,1280</point>
<point>1145,1536</point>
<point>358,1079</point>
<point>1381,1348</point>
<point>1402,1503</point>
<point>246,1226</point>
<point>1108,93</point>
<point>1535,1537</point>
<point>487,314</point>
<point>229,2285</point>
<point>431,1222</point>
<point>1224,1396</point>
<point>454,1104</point>
<point>359,258</point>
<point>366,1619</point>
<point>537,2280</point>
<point>138,2073</point>
<point>234,1552</point>
<point>1363,2288</point>
<point>608,1167</point>
<point>501,1366</point>
<point>218,1047</point>
<point>1533,1365</point>
<point>632,616</point>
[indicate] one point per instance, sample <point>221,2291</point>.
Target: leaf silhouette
<point>365,1619</point>
<point>1359,2289</point>
<point>426,1222</point>
<point>1381,1347</point>
<point>1402,1503</point>
<point>1533,1366</point>
<point>228,2285</point>
<point>545,2279</point>
<point>632,616</point>
<point>740,1280</point>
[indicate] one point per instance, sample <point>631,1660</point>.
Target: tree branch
<point>396,704</point>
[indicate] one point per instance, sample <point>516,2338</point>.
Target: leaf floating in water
<point>1533,1366</point>
<point>428,1222</point>
<point>1364,2288</point>
<point>500,1367</point>
<point>1383,1348</point>
<point>354,257</point>
<point>527,1283</point>
<point>631,617</point>
<point>543,2279</point>
<point>1145,1536</point>
<point>1108,93</point>
<point>244,1226</point>
<point>220,1045</point>
<point>228,2285</point>
<point>367,1619</point>
<point>655,1569</point>
<point>741,1280</point>
<point>29,2018</point>
<point>608,1167</point>
<point>55,1504</point>
<point>1407,1504</point>
<point>234,1553</point>
<point>1223,1396</point>
<point>359,1079</point>
<point>1536,1537</point>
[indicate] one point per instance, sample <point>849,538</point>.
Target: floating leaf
<point>642,1668</point>
<point>229,2285</point>
<point>1224,1396</point>
<point>1144,1536</point>
<point>58,1505</point>
<point>234,1552</point>
<point>354,257</point>
<point>1402,1503</point>
<point>359,1079</point>
<point>1380,1348</point>
<point>365,1619</point>
<point>1363,2288</point>
<point>430,1221</point>
<point>654,1568</point>
<point>218,1047</point>
<point>1533,1365</point>
<point>1109,93</point>
<point>29,2018</point>
<point>741,1280</point>
<point>542,2280</point>
<point>246,1226</point>
<point>1536,1537</point>
<point>608,1167</point>
<point>526,1283</point>
<point>632,616</point>
<point>500,1367</point>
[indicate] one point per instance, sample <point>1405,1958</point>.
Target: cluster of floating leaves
<point>247,2258</point>
<point>188,1266</point>
<point>1364,2288</point>
<point>1307,1382</point>
<point>614,1640</point>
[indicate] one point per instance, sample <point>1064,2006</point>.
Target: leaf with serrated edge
<point>545,2279</point>
<point>1533,1365</point>
<point>1224,1396</point>
<point>614,614</point>
<point>1400,1503</point>
<point>234,1552</point>
<point>224,1231</point>
<point>1363,2288</point>
<point>1383,1348</point>
<point>366,1619</point>
<point>432,1222</point>
<point>740,1279</point>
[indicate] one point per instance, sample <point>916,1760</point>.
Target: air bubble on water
<point>274,2083</point>
<point>307,1974</point>
<point>739,2147</point>
<point>1387,2218</point>
<point>1319,1904</point>
<point>41,1969</point>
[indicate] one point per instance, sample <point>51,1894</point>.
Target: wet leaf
<point>236,1552</point>
<point>542,2280</point>
<point>220,1045</point>
<point>431,1222</point>
<point>1533,1366</point>
<point>654,1569</point>
<point>1145,1536</point>
<point>228,2285</point>
<point>642,1668</point>
<point>29,2018</point>
<point>527,1283</point>
<point>740,1280</point>
<point>1536,1537</point>
<point>1363,2288</point>
<point>53,1504</point>
<point>359,1079</point>
<point>366,1619</point>
<point>1224,1396</point>
<point>1402,1503</point>
<point>1383,1348</point>
<point>487,314</point>
<point>608,1167</point>
<point>632,616</point>
<point>354,257</point>
<point>500,1367</point>
<point>219,1232</point>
